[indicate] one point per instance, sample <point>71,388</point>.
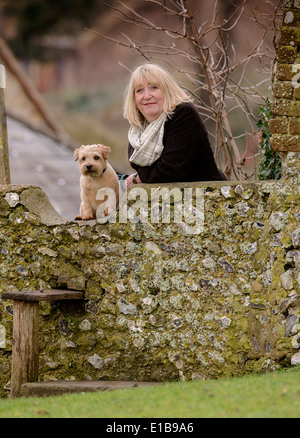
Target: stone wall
<point>160,304</point>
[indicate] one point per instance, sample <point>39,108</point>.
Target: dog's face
<point>92,159</point>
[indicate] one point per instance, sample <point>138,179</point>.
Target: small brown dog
<point>96,173</point>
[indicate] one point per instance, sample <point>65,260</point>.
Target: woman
<point>167,139</point>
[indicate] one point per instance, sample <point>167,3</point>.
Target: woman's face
<point>149,100</point>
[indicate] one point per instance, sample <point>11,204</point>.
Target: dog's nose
<point>89,166</point>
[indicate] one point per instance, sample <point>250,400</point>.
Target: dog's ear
<point>76,154</point>
<point>77,151</point>
<point>105,151</point>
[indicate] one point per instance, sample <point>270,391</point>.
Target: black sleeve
<point>186,149</point>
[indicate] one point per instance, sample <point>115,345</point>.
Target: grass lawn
<point>273,395</point>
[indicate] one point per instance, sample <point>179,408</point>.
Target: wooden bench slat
<point>44,295</point>
<point>50,388</point>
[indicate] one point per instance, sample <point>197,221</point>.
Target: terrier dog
<point>96,173</point>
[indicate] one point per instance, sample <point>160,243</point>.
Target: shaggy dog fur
<point>96,173</point>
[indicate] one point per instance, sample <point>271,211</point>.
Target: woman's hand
<point>133,179</point>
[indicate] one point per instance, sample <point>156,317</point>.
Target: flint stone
<point>226,191</point>
<point>126,308</point>
<point>226,265</point>
<point>277,220</point>
<point>295,359</point>
<point>290,322</point>
<point>296,238</point>
<point>12,199</point>
<point>287,280</point>
<point>96,361</point>
<point>293,257</point>
<point>239,190</point>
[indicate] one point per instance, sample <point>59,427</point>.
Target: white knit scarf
<point>147,142</point>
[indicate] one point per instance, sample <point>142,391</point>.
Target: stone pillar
<point>285,124</point>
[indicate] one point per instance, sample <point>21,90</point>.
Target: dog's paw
<point>84,218</point>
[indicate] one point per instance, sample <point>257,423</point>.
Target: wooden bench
<point>25,351</point>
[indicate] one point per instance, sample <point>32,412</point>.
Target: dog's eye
<point>96,158</point>
<point>83,158</point>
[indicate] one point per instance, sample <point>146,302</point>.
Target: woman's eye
<point>139,90</point>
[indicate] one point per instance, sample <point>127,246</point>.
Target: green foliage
<point>270,166</point>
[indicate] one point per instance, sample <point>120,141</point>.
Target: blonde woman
<point>167,139</point>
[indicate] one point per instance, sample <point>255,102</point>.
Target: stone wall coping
<point>36,201</point>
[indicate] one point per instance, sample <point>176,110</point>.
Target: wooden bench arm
<point>43,295</point>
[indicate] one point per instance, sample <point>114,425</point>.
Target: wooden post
<point>25,353</point>
<point>4,157</point>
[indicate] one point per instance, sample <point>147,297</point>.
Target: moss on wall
<point>286,105</point>
<point>160,304</point>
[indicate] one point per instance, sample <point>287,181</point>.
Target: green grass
<point>273,395</point>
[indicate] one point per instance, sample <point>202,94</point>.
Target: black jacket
<point>187,155</point>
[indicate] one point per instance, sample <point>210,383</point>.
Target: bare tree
<point>216,76</point>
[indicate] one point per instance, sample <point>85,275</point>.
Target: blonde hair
<point>155,75</point>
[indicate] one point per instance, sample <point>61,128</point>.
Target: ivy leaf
<point>270,166</point>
